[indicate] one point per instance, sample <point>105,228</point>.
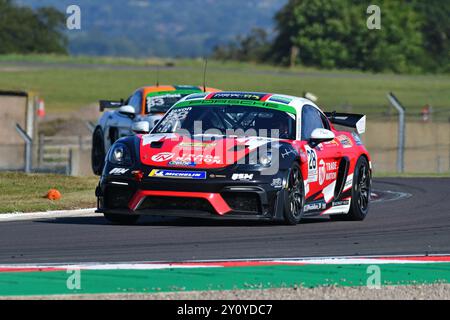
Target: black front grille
<point>176,203</point>
<point>243,201</point>
<point>118,197</point>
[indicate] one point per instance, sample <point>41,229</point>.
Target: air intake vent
<point>156,144</point>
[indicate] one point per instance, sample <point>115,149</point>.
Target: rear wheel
<point>361,189</point>
<point>121,218</point>
<point>98,151</point>
<point>294,196</point>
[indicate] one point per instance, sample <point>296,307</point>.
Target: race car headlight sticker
<point>120,155</point>
<point>266,159</point>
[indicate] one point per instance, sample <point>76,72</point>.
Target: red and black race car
<point>240,155</point>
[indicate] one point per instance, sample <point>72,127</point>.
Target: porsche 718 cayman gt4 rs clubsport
<point>240,155</point>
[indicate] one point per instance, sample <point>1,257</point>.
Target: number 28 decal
<point>312,159</point>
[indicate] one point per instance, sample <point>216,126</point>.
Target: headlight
<point>265,159</point>
<point>120,154</point>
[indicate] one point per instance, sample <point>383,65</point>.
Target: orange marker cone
<point>53,194</point>
<point>41,109</point>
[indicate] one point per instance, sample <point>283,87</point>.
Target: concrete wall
<point>427,147</point>
<point>80,162</point>
<point>13,109</point>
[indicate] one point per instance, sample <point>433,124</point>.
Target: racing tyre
<point>361,188</point>
<point>294,196</point>
<point>121,218</point>
<point>98,151</point>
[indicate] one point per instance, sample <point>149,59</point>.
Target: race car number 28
<point>312,164</point>
<point>312,159</point>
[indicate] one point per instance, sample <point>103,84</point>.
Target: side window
<point>311,119</point>
<point>325,122</point>
<point>136,101</point>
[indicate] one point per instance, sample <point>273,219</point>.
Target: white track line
<point>8,217</point>
<point>339,260</point>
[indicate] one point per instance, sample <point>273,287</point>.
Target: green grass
<point>67,89</point>
<point>21,192</point>
<point>57,59</point>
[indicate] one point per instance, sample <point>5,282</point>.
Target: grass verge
<point>21,192</point>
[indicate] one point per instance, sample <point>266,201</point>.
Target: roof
<point>179,88</point>
<point>269,100</point>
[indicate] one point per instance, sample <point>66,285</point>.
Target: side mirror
<point>141,127</point>
<point>127,111</point>
<point>320,135</point>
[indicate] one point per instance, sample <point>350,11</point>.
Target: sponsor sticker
<point>119,171</point>
<point>345,141</point>
<point>213,176</point>
<point>341,203</point>
<point>348,182</point>
<point>163,156</point>
<point>322,171</point>
<point>159,173</point>
<point>331,176</point>
<point>242,176</point>
<point>238,95</point>
<point>182,163</point>
<point>200,158</point>
<point>277,183</point>
<point>357,139</point>
<point>315,206</point>
<point>331,166</point>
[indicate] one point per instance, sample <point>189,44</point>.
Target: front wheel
<point>121,218</point>
<point>361,189</point>
<point>98,151</point>
<point>294,196</point>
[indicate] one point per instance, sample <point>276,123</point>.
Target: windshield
<point>229,120</point>
<point>162,103</point>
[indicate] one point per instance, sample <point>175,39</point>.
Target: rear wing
<point>109,104</point>
<point>351,120</point>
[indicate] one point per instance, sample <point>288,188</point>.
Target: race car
<point>240,155</point>
<point>139,113</point>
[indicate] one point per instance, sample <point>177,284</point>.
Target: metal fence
<point>50,154</point>
<point>54,152</point>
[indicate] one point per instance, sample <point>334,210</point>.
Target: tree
<point>23,30</point>
<point>334,34</point>
<point>436,32</point>
<point>253,47</point>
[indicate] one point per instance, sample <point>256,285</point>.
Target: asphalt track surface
<point>418,224</point>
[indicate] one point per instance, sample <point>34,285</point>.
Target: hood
<point>199,151</point>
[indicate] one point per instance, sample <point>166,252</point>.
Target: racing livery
<point>240,155</point>
<point>142,110</point>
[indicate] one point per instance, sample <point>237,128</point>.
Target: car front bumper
<point>219,198</point>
